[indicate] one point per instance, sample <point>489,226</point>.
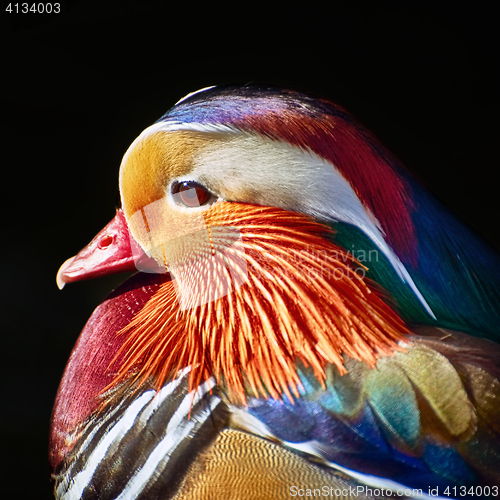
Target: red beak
<point>109,252</point>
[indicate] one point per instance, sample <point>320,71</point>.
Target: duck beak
<point>109,252</point>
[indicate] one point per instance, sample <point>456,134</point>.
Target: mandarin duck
<point>307,320</point>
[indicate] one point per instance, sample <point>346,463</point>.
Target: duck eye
<point>191,194</point>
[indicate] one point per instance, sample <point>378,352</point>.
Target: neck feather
<point>291,295</point>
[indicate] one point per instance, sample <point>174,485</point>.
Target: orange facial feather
<point>267,290</point>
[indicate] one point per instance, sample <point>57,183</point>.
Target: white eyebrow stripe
<point>173,126</point>
<point>295,179</point>
<point>251,150</point>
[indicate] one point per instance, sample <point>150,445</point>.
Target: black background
<point>78,87</point>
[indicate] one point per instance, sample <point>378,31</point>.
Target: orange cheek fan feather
<point>305,315</point>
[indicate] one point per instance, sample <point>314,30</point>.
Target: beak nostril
<point>105,242</point>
